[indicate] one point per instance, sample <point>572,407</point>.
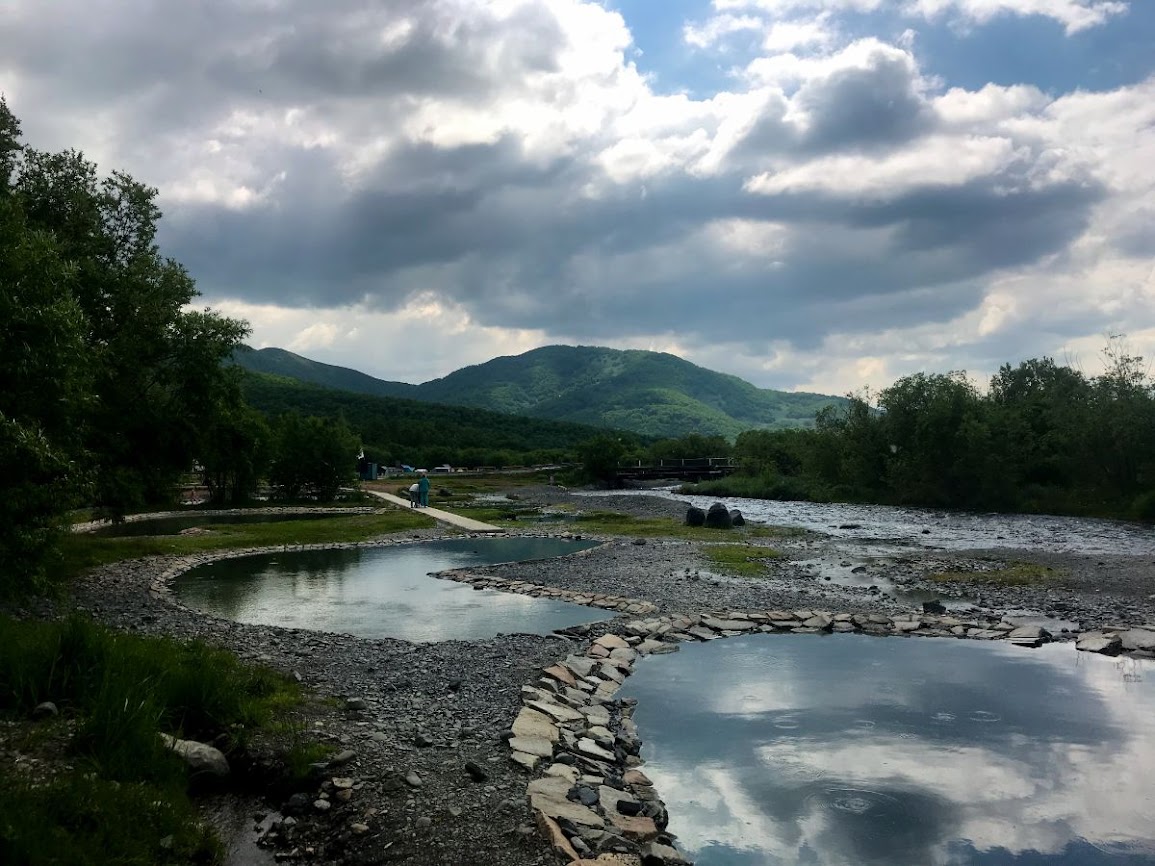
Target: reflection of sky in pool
<point>384,591</point>
<point>854,751</point>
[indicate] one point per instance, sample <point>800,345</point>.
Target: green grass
<point>80,551</point>
<point>1015,574</point>
<point>119,792</point>
<point>86,821</point>
<point>741,559</point>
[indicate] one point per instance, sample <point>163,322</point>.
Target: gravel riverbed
<point>420,729</point>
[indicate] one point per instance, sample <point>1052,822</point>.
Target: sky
<point>817,195</point>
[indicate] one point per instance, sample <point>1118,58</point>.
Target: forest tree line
<point>1042,438</point>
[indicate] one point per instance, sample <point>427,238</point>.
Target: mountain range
<point>650,393</point>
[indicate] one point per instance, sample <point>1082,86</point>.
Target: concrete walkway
<point>437,514</point>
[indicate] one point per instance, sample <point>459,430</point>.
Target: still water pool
<point>384,591</point>
<point>850,750</point>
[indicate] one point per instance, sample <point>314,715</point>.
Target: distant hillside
<point>279,362</point>
<point>650,393</point>
<point>396,430</point>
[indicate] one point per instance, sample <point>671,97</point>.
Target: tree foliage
<point>1043,437</point>
<point>314,457</point>
<point>111,381</point>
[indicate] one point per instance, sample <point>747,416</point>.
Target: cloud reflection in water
<point>849,750</point>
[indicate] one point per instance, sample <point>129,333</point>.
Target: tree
<point>599,456</point>
<point>46,388</point>
<point>156,367</point>
<point>313,457</point>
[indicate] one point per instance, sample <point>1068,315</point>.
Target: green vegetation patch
<point>741,559</point>
<point>80,551</point>
<point>108,791</point>
<point>1015,574</point>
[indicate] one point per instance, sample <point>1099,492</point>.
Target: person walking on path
<point>423,488</point>
<point>414,496</point>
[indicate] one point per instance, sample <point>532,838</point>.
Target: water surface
<point>854,751</point>
<point>384,591</point>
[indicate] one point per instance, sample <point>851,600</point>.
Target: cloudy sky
<point>810,194</point>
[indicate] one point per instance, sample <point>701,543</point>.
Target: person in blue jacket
<point>423,488</point>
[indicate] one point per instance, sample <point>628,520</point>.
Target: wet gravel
<point>423,726</point>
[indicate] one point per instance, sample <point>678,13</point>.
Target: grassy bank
<point>79,551</point>
<point>95,784</point>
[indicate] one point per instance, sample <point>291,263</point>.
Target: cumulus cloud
<point>508,165</point>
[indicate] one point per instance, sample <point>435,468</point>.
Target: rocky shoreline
<point>436,746</point>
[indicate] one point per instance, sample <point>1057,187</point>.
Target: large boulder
<point>736,518</point>
<point>718,517</point>
<point>695,516</point>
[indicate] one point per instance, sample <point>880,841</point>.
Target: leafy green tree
<point>599,456</point>
<point>46,388</point>
<point>235,452</point>
<point>156,367</point>
<point>313,457</point>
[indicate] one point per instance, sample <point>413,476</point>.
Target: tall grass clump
<point>126,689</point>
<point>120,796</point>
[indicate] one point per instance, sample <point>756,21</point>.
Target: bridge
<point>689,469</point>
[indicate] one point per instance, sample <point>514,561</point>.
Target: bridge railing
<point>682,463</point>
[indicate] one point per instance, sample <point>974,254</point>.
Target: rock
<point>718,517</point>
<point>341,783</point>
<point>548,796</point>
<point>936,607</point>
<point>557,839</point>
<point>423,823</point>
<point>413,780</point>
<point>535,725</point>
<point>532,746</point>
<point>819,621</point>
<point>640,542</point>
<point>1029,636</point>
<point>342,758</point>
<point>476,771</point>
<point>356,704</point>
<point>1097,642</point>
<point>736,518</point>
<point>201,758</point>
<point>322,805</point>
<point>421,741</point>
<point>1138,639</point>
<point>45,710</point>
<point>657,854</point>
<point>611,642</point>
<point>695,516</point>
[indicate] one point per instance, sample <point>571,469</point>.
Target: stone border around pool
<point>592,802</point>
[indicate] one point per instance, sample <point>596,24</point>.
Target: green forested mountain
<point>279,362</point>
<point>650,393</point>
<point>396,430</point>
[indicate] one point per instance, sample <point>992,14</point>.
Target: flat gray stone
<point>547,795</point>
<point>1138,639</point>
<point>534,724</point>
<point>587,746</point>
<point>532,746</point>
<point>727,624</point>
<point>555,711</point>
<point>1029,635</point>
<point>1097,642</point>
